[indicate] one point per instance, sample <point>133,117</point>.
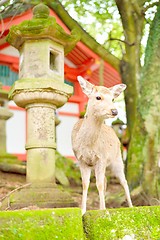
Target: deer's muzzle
<point>114,112</point>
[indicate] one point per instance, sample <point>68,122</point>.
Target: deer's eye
<point>98,98</point>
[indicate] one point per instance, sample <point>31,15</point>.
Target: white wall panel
<point>69,107</point>
<point>63,132</point>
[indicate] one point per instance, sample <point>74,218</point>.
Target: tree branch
<point>150,6</point>
<point>123,41</point>
<point>3,30</point>
<point>15,190</point>
<point>85,37</point>
<point>141,2</point>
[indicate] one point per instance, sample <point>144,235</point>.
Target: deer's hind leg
<point>85,174</point>
<point>118,171</point>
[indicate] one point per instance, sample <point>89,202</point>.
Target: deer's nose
<point>114,112</point>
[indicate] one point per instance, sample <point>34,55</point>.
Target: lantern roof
<point>81,60</point>
<point>42,26</point>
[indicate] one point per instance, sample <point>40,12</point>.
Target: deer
<point>95,144</point>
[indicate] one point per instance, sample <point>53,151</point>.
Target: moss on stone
<point>138,223</point>
<point>70,169</point>
<point>9,158</point>
<point>42,26</point>
<point>59,224</point>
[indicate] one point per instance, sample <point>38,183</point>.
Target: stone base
<point>40,196</point>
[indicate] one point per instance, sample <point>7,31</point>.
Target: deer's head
<point>100,103</point>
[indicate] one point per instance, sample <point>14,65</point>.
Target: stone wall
<point>67,224</point>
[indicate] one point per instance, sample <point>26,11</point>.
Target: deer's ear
<point>86,86</point>
<point>117,89</point>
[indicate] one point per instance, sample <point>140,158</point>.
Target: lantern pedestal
<point>34,196</point>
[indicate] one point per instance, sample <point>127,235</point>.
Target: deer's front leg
<point>85,174</point>
<point>100,183</point>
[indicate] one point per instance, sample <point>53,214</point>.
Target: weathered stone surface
<point>42,59</point>
<point>125,223</point>
<point>40,143</point>
<point>28,91</point>
<point>40,195</point>
<point>5,114</point>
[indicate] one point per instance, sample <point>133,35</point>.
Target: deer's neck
<point>90,129</point>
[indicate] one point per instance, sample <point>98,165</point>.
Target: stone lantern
<point>40,89</point>
<point>5,114</point>
<point>118,127</point>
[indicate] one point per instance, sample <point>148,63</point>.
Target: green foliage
<point>71,170</point>
<point>100,19</point>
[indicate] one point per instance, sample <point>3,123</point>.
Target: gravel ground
<point>114,194</point>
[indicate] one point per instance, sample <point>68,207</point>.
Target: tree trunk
<point>132,21</point>
<point>144,151</point>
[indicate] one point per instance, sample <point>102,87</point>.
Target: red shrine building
<point>80,61</point>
